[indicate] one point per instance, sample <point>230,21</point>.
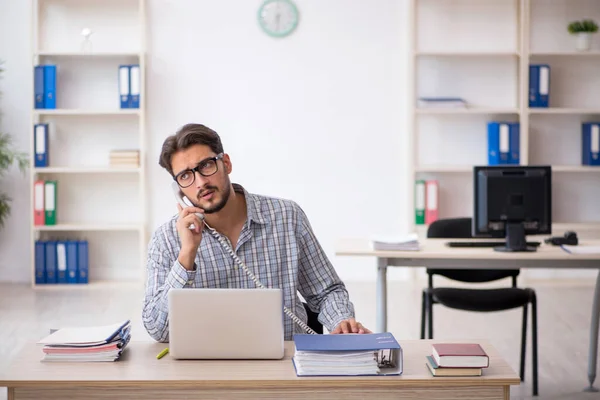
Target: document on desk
<point>348,354</point>
<point>400,243</point>
<point>581,249</point>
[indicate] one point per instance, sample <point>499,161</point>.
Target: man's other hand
<point>350,326</point>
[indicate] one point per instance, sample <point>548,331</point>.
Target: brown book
<point>436,370</point>
<point>468,355</point>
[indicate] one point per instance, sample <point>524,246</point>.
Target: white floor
<point>563,314</point>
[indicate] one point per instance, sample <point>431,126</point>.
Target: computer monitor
<point>511,202</point>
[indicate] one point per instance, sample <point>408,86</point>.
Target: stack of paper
<point>86,344</point>
<point>347,354</point>
<point>124,158</point>
<point>401,243</point>
<point>441,102</point>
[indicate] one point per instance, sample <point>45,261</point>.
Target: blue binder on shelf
<point>49,86</point>
<point>40,140</point>
<point>72,261</point>
<point>124,86</point>
<point>82,261</point>
<point>40,262</point>
<point>590,143</point>
<point>539,85</point>
<point>61,262</point>
<point>134,86</point>
<point>311,350</point>
<point>503,143</point>
<point>51,261</point>
<point>38,86</point>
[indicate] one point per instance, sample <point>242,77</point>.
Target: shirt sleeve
<point>164,272</point>
<point>319,283</point>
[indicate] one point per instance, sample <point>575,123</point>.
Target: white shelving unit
<point>97,202</point>
<point>481,51</point>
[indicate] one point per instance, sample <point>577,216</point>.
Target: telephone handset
<point>181,199</point>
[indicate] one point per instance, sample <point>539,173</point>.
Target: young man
<point>271,236</point>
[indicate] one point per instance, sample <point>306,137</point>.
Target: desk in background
<point>435,254</point>
<point>139,375</point>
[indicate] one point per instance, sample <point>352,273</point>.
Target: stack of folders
<point>441,102</point>
<point>125,158</point>
<point>349,354</point>
<point>408,242</point>
<point>87,344</point>
<point>457,359</point>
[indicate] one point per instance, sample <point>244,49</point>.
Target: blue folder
<point>82,261</point>
<point>49,86</point>
<point>377,342</point>
<point>40,262</point>
<point>38,86</point>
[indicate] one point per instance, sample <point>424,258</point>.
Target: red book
<point>468,355</point>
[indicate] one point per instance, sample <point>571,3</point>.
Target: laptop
<point>226,323</point>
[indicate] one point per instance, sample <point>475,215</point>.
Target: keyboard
<point>479,243</point>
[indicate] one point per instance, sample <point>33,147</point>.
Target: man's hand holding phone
<point>190,238</point>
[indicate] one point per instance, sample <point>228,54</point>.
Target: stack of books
<point>124,158</point>
<point>457,359</point>
<point>408,242</point>
<point>348,354</point>
<point>87,344</point>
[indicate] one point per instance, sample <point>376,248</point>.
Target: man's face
<point>207,192</point>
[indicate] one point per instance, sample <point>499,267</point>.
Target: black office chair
<point>313,320</point>
<point>479,300</point>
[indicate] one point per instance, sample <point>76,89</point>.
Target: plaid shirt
<point>276,243</point>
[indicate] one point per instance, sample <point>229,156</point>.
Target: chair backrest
<point>460,228</point>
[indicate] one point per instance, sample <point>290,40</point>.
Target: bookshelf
<point>96,201</point>
<point>481,51</point>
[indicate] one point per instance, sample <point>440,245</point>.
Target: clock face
<point>278,18</point>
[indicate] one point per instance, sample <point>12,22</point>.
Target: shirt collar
<point>252,205</point>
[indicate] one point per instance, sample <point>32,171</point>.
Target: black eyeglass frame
<point>197,169</point>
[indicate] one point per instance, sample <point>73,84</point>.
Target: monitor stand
<point>515,238</point>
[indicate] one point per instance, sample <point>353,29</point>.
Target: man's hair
<point>187,136</point>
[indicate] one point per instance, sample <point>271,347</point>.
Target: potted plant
<point>583,31</point>
<point>8,156</point>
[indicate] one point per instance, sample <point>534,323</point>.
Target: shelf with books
<point>468,169</point>
<point>89,140</point>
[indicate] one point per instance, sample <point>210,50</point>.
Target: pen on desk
<point>162,353</point>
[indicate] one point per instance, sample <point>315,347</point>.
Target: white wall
<point>318,117</point>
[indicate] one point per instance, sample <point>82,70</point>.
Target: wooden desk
<point>435,254</point>
<point>139,375</point>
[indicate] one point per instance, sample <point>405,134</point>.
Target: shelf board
<point>87,170</point>
<point>469,168</point>
<point>558,110</point>
<point>107,54</point>
<point>467,53</point>
<point>593,53</point>
<point>124,111</point>
<point>127,285</point>
<point>445,168</point>
<point>556,227</point>
<point>435,111</point>
<point>88,227</point>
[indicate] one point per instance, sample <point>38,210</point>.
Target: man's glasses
<point>206,167</point>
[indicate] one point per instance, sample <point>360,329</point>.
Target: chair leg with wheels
<point>423,314</point>
<point>534,343</point>
<point>523,343</point>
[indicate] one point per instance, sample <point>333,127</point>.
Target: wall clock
<point>278,18</point>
